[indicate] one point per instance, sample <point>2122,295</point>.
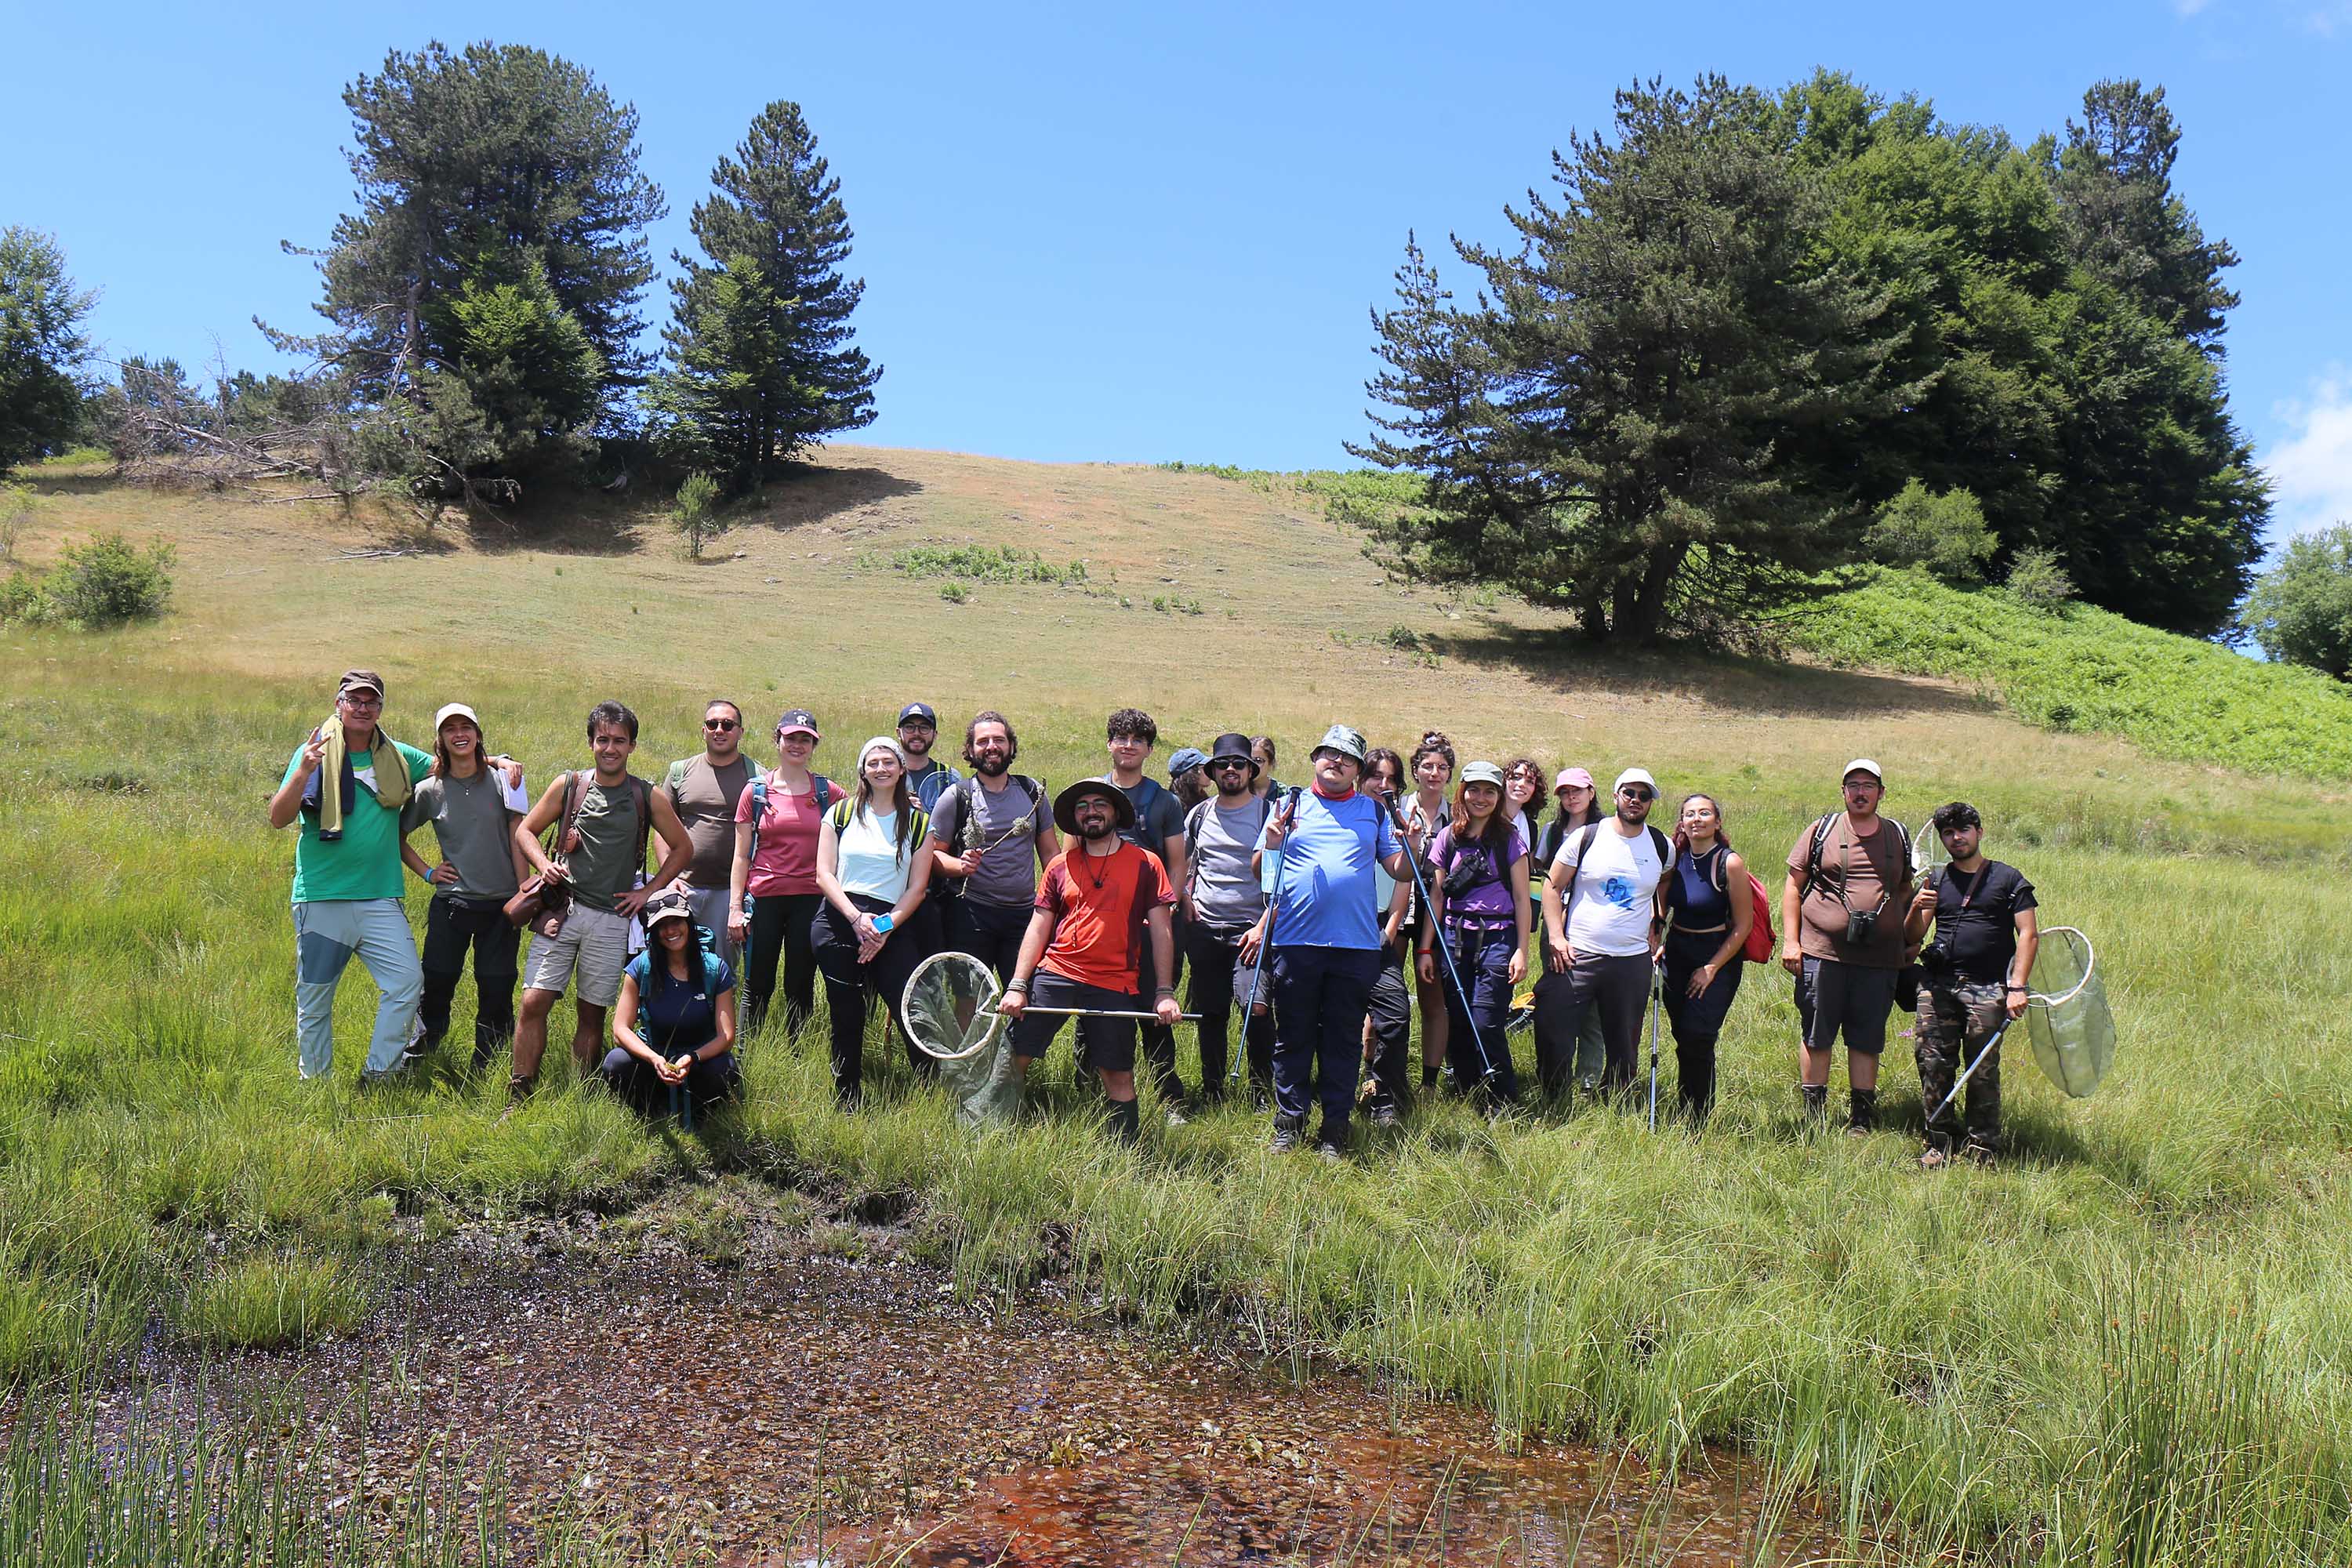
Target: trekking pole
<point>1444,949</point>
<point>1273,905</point>
<point>1960,1082</point>
<point>1657,997</point>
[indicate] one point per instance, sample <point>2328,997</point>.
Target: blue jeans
<point>328,933</point>
<point>1321,995</point>
<point>1483,959</point>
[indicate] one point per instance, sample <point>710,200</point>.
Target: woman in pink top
<point>774,892</point>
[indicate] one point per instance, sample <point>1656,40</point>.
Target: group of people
<point>1314,920</point>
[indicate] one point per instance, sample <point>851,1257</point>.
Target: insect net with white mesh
<point>950,1011</point>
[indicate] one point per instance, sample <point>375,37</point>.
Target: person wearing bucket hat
<point>473,807</point>
<point>874,866</point>
<point>772,898</point>
<point>1224,902</point>
<point>1317,854</point>
<point>1157,828</point>
<point>1102,903</point>
<point>1478,882</point>
<point>1841,911</point>
<point>675,1025</point>
<point>346,786</point>
<point>1601,932</point>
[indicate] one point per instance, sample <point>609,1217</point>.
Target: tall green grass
<point>2088,669</point>
<point>1964,1355</point>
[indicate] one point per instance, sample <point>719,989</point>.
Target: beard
<point>991,764</point>
<point>1096,832</point>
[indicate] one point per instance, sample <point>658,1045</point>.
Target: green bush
<point>1946,535</point>
<point>2090,671</point>
<point>15,510</point>
<point>2300,611</point>
<point>106,582</point>
<point>2039,582</point>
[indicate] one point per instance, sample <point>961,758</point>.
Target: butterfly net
<point>2073,1033</point>
<point>950,1011</point>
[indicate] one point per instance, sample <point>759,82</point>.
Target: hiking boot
<point>1428,1080</point>
<point>1983,1156</point>
<point>1176,1117</point>
<point>1261,1100</point>
<point>1330,1152</point>
<point>1384,1114</point>
<point>1816,1099</point>
<point>1286,1136</point>
<point>1861,1112</point>
<point>1331,1142</point>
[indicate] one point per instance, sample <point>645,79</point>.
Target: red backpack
<point>1758,948</point>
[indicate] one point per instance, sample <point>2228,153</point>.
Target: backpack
<point>820,793</point>
<point>1822,836</point>
<point>1484,872</point>
<point>707,950</point>
<point>916,829</point>
<point>1192,820</point>
<point>1584,836</point>
<point>575,790</point>
<point>967,793</point>
<point>1758,946</point>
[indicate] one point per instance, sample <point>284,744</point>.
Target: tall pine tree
<point>761,362</point>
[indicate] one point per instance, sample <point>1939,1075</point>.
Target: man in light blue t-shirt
<point>1320,852</point>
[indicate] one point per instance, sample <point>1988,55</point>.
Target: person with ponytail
<point>1478,886</point>
<point>1426,812</point>
<point>1707,901</point>
<point>1578,805</point>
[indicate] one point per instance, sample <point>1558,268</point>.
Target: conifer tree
<point>761,362</point>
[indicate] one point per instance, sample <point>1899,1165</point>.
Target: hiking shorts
<point>591,949</point>
<point>1834,998</point>
<point>1109,1042</point>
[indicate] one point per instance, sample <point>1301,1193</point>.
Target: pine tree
<point>42,347</point>
<point>761,363</point>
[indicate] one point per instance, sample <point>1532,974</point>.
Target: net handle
<point>1100,1012</point>
<point>2090,959</point>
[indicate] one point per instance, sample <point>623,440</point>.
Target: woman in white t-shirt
<point>873,867</point>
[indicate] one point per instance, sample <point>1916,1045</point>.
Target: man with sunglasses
<point>1222,901</point>
<point>1841,911</point>
<point>1602,932</point>
<point>705,792</point>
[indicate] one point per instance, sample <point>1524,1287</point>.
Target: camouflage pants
<point>1955,1018</point>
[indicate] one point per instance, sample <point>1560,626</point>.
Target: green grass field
<point>2130,1344</point>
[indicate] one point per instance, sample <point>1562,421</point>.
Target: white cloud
<point>2312,468</point>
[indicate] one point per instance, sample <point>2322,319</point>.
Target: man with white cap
<point>472,811</point>
<point>346,785</point>
<point>1602,936</point>
<point>1323,928</point>
<point>1842,910</point>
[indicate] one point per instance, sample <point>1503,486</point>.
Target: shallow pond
<point>796,1406</point>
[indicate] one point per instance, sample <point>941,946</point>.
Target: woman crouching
<point>676,1021</point>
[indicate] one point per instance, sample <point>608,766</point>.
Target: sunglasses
<point>720,724</point>
<point>1635,791</point>
<point>1230,765</point>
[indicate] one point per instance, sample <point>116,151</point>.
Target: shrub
<point>696,514</point>
<point>2300,612</point>
<point>110,581</point>
<point>2039,582</point>
<point>23,602</point>
<point>955,592</point>
<point>1946,535</point>
<point>15,510</point>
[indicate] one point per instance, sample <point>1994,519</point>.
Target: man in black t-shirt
<point>1159,828</point>
<point>1975,985</point>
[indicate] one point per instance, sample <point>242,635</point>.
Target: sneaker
<point>1934,1159</point>
<point>1384,1114</point>
<point>1286,1136</point>
<point>1176,1117</point>
<point>1983,1156</point>
<point>1260,1100</point>
<point>1331,1153</point>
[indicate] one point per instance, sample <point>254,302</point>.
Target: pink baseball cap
<point>1567,776</point>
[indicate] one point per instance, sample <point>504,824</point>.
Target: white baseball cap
<point>455,710</point>
<point>1863,765</point>
<point>1634,775</point>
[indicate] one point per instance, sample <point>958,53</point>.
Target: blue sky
<point>1144,233</point>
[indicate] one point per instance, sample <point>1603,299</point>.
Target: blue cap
<point>1186,759</point>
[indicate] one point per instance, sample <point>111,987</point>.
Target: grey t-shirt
<point>1007,876</point>
<point>473,820</point>
<point>1225,891</point>
<point>706,799</point>
<point>609,857</point>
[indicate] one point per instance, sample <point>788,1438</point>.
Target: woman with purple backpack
<point>1478,897</point>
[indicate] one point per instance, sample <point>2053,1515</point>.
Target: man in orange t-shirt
<point>1102,897</point>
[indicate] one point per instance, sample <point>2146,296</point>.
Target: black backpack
<point>1584,836</point>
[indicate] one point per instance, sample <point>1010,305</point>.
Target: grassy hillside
<point>2088,669</point>
<point>2134,1336</point>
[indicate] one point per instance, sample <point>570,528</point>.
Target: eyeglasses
<point>720,724</point>
<point>355,701</point>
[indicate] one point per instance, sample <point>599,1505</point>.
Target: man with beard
<point>919,730</point>
<point>1602,936</point>
<point>1102,897</point>
<point>983,834</point>
<point>1323,928</point>
<point>1223,903</point>
<point>704,791</point>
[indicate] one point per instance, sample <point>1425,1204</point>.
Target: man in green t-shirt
<point>347,882</point>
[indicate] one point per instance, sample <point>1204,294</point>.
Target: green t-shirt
<point>365,863</point>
